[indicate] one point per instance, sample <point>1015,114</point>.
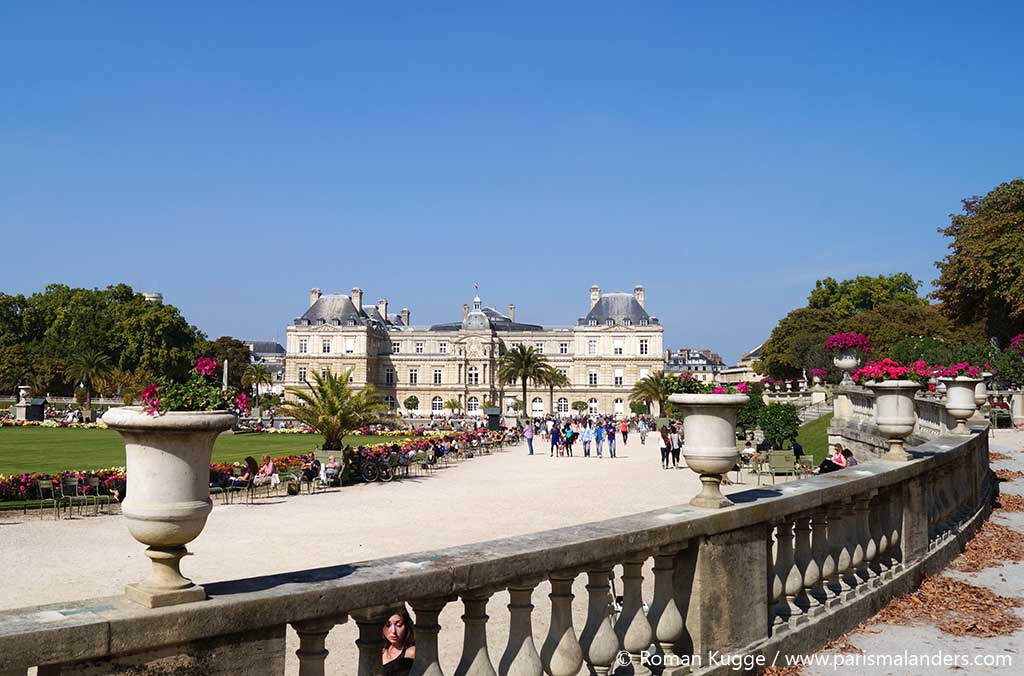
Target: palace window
<point>563,348</point>
<point>350,345</point>
<point>618,377</point>
<point>323,373</point>
<point>437,376</point>
<point>537,406</point>
<point>414,376</point>
<point>539,347</point>
<point>618,346</point>
<point>302,374</point>
<point>592,377</point>
<point>442,347</point>
<point>619,407</point>
<point>389,376</point>
<point>325,345</point>
<point>592,407</point>
<point>564,372</point>
<point>627,322</point>
<point>391,403</point>
<point>644,346</point>
<point>396,348</point>
<point>592,322</point>
<point>303,345</point>
<point>419,347</point>
<point>351,376</point>
<point>436,405</point>
<point>644,373</point>
<point>592,346</point>
<point>472,376</point>
<point>643,322</point>
<point>472,405</point>
<point>563,405</point>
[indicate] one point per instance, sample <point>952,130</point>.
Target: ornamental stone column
<point>852,537</point>
<point>475,659</point>
<point>632,628</point>
<point>371,638</point>
<point>520,657</point>
<point>561,653</point>
<point>664,613</point>
<point>805,565</point>
<point>824,563</point>
<point>312,652</point>
<point>427,628</point>
<point>598,641</point>
<point>839,542</point>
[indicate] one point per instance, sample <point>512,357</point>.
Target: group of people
<point>563,434</point>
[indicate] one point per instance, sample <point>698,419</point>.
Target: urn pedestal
<point>709,441</point>
<point>895,414</point>
<point>846,361</point>
<point>168,492</point>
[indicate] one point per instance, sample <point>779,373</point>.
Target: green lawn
<point>42,449</point>
<point>814,437</point>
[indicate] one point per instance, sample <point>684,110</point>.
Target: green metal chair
<point>92,492</point>
<point>71,494</point>
<point>47,495</point>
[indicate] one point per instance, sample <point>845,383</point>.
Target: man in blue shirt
<point>599,437</point>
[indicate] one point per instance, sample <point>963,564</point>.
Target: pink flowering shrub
<point>960,369</point>
<point>840,342</point>
<point>820,373</point>
<point>889,369</point>
<point>199,392</point>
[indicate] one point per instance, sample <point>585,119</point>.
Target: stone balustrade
<point>787,569</point>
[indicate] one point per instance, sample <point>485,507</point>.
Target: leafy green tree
<point>850,296</point>
<point>411,403</point>
<point>235,351</point>
<point>256,376</point>
<point>655,388</point>
<point>85,368</point>
<point>579,406</point>
<point>553,378</point>
<point>749,417</point>
<point>780,423</point>
<point>522,363</point>
<point>331,407</point>
<point>799,338</point>
<point>982,278</point>
<point>453,405</point>
<point>15,367</point>
<point>888,324</point>
<point>638,408</point>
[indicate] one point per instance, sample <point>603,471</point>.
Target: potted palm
<point>847,348</point>
<point>894,386</point>
<point>709,433</point>
<point>168,443</point>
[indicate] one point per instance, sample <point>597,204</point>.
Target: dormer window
<point>592,322</point>
<point>610,321</point>
<point>627,322</point>
<point>643,322</point>
<point>321,322</point>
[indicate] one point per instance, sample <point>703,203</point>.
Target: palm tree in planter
<point>522,363</point>
<point>334,409</point>
<point>254,376</point>
<point>553,378</point>
<point>653,388</point>
<point>87,367</point>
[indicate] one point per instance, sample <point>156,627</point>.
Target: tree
<point>888,324</point>
<point>522,363</point>
<point>334,409</point>
<point>797,338</point>
<point>579,406</point>
<point>86,367</point>
<point>749,417</point>
<point>850,296</point>
<point>235,351</point>
<point>553,378</point>
<point>411,403</point>
<point>982,278</point>
<point>652,389</point>
<point>453,405</point>
<point>254,376</point>
<point>639,408</point>
<point>780,422</point>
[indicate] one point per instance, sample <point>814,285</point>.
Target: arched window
<point>537,406</point>
<point>563,405</point>
<point>437,404</point>
<point>391,403</point>
<point>619,407</point>
<point>592,407</point>
<point>473,405</point>
<point>472,376</point>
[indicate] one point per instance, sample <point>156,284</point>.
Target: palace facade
<point>603,354</point>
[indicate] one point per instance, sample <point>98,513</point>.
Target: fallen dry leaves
<point>1007,502</point>
<point>1009,474</point>
<point>991,545</point>
<point>995,456</point>
<point>956,608</point>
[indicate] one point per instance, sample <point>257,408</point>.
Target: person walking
<point>599,436</point>
<point>665,446</point>
<point>642,428</point>
<point>610,431</point>
<point>528,435</point>
<point>586,436</point>
<point>675,442</point>
<point>555,441</point>
<point>570,437</point>
<point>624,428</point>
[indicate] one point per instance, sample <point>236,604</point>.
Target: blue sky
<point>234,155</point>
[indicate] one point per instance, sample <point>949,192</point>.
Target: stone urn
<point>960,400</point>
<point>846,361</point>
<point>709,440</point>
<point>981,390</point>
<point>895,414</point>
<point>168,492</point>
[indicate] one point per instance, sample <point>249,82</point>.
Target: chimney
<point>405,316</point>
<point>314,296</point>
<point>638,293</point>
<point>511,312</point>
<point>595,295</point>
<point>357,298</point>
<point>465,311</point>
<point>382,308</point>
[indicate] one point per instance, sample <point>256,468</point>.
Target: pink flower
<point>718,390</point>
<point>741,388</point>
<point>841,342</point>
<point>242,402</point>
<point>205,366</point>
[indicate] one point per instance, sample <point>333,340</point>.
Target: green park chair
<point>47,497</point>
<point>92,493</point>
<point>72,495</point>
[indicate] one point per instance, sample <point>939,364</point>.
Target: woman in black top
<point>398,654</point>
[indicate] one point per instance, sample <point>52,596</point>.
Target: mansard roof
<point>486,318</point>
<point>617,308</point>
<point>338,309</point>
<point>266,347</point>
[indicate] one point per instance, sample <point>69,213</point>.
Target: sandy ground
<point>503,494</point>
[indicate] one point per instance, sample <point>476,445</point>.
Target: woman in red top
<point>624,428</point>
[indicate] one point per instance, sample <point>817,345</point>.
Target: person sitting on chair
<point>332,470</point>
<point>310,467</point>
<point>248,475</point>
<point>266,474</point>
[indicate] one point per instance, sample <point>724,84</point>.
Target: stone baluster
<point>312,638</point>
<point>632,628</point>
<point>520,657</point>
<point>865,573</point>
<point>851,532</point>
<point>598,640</point>
<point>787,576</point>
<point>427,628</point>
<point>561,653</point>
<point>894,530</point>
<point>664,613</point>
<point>824,561</point>
<point>371,638</point>
<point>806,567</point>
<point>475,659</point>
<point>839,543</point>
<point>879,523</point>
